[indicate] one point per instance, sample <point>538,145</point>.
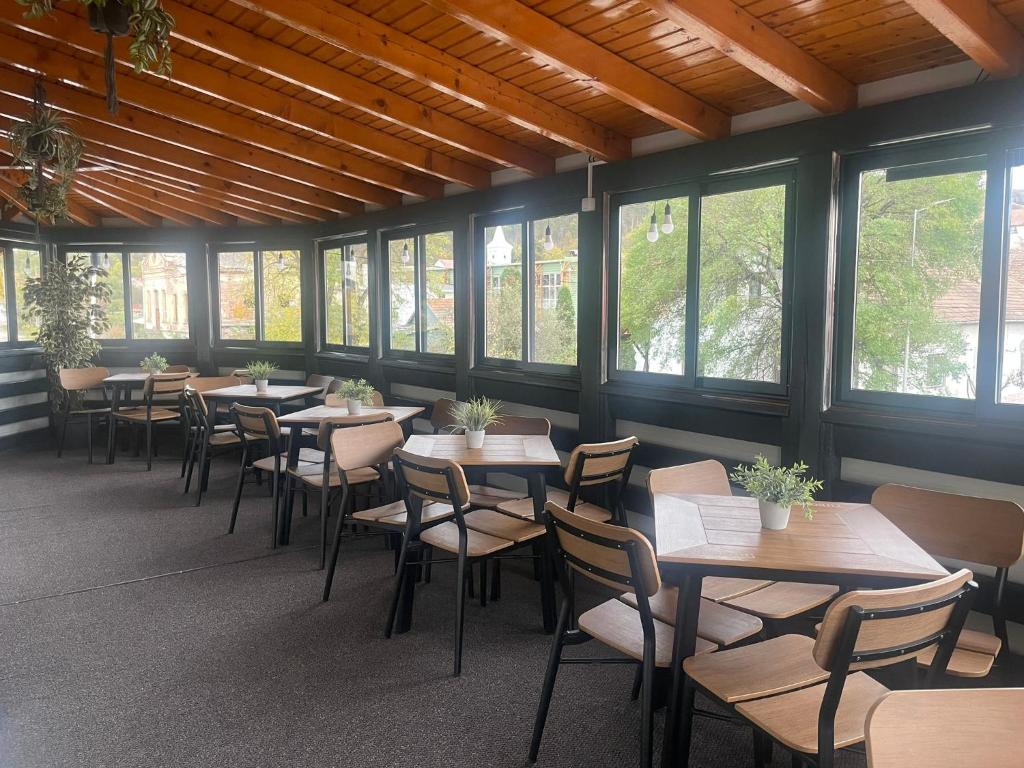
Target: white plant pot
<point>475,438</point>
<point>774,516</point>
<point>261,385</point>
<point>355,407</point>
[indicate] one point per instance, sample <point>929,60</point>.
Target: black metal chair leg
<point>275,513</point>
<point>88,432</point>
<point>428,568</point>
<point>204,469</point>
<point>149,445</point>
<point>64,426</point>
<point>400,576</point>
<point>336,550</point>
<point>238,489</point>
<point>554,659</point>
<point>483,583</point>
<point>191,467</point>
<point>496,580</point>
<point>460,607</point>
<point>638,679</point>
<point>190,438</point>
<point>647,707</point>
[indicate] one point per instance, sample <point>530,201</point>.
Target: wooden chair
<point>205,440</point>
<point>159,386</point>
<point>965,528</point>
<point>334,400</point>
<point>441,416</point>
<point>487,496</point>
<point>77,383</point>
<point>313,380</point>
<point>620,558</point>
<point>177,369</point>
<point>946,729</point>
<point>243,374</point>
<point>771,601</point>
<point>591,465</point>
<point>204,384</point>
<point>812,696</point>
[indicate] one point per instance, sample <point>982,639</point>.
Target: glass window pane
<point>918,289</point>
<point>159,296</point>
<point>4,327</point>
<point>1012,384</point>
<point>652,285</point>
<point>236,288</point>
<point>357,295</point>
<point>402,278</point>
<point>439,312</point>
<point>334,295</point>
<point>282,296</point>
<point>742,244</point>
<point>503,289</point>
<point>112,263</point>
<point>27,263</point>
<point>555,266</point>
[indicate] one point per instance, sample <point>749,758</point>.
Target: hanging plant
<point>145,20</point>
<point>51,150</point>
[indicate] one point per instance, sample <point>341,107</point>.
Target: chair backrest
<point>243,374</point>
<point>369,445</point>
<point>165,384</point>
<point>80,379</point>
<point>178,369</point>
<point>875,628</point>
<point>977,530</point>
<point>618,557</point>
<point>600,463</point>
<point>206,383</point>
<point>520,425</point>
<point>256,422</point>
<point>701,477</point>
<point>333,423</point>
<point>195,407</point>
<point>946,729</point>
<point>441,414</point>
<point>432,479</point>
<point>319,380</point>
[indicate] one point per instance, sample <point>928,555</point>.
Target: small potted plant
<point>260,371</point>
<point>154,363</point>
<point>357,393</point>
<point>474,417</point>
<point>777,489</point>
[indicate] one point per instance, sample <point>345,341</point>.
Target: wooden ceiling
<point>306,110</point>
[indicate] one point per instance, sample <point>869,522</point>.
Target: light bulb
<point>280,262</point>
<point>106,261</point>
<point>549,241</point>
<point>28,264</point>
<point>406,258</point>
<point>667,225</point>
<point>652,231</point>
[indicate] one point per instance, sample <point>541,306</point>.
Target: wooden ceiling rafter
<point>189,207</point>
<point>143,199</point>
<point>122,207</point>
<point>9,184</point>
<point>978,29</point>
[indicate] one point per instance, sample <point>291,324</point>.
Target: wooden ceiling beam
<point>343,27</point>
<point>66,29</point>
<point>147,202</point>
<point>175,105</point>
<point>76,211</point>
<point>224,39</point>
<point>978,29</point>
<point>746,39</point>
<point>181,203</point>
<point>129,210</point>
<point>560,47</point>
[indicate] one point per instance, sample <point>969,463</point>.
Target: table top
<point>279,392</point>
<point>497,450</point>
<point>725,531</point>
<point>311,417</point>
<point>127,378</point>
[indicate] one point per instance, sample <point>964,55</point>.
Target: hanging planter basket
<point>112,18</point>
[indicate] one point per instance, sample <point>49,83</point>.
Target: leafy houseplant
<point>154,363</point>
<point>260,371</point>
<point>68,301</point>
<point>475,417</point>
<point>777,489</point>
<point>357,393</point>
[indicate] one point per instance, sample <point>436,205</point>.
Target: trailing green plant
<point>154,363</point>
<point>260,370</point>
<point>778,485</point>
<point>67,302</point>
<point>476,415</point>
<point>357,389</point>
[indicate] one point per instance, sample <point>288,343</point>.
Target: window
<point>537,316</point>
<point>17,265</point>
<point>236,295</point>
<point>113,265</point>
<point>917,281</point>
<point>282,296</point>
<point>259,295</point>
<point>421,295</point>
<point>347,287</point>
<point>1011,382</point>
<point>4,326</point>
<point>154,276</point>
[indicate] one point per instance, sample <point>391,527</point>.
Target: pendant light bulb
<point>652,231</point>
<point>28,263</point>
<point>280,262</point>
<point>106,261</point>
<point>667,225</point>
<point>406,257</point>
<point>549,241</point>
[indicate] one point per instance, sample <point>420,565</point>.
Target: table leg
<point>294,444</point>
<point>115,402</point>
<point>679,713</point>
<point>538,492</point>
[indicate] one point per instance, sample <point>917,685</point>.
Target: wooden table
<point>851,545</point>
<point>120,383</point>
<point>530,456</point>
<point>271,398</point>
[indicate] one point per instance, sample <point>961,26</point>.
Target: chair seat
<point>618,626</point>
<point>524,507</point>
<point>446,536</point>
<point>489,497</point>
<point>719,588</point>
<point>138,413</point>
<point>974,655</point>
<point>754,671</point>
<point>267,462</point>
<point>503,526</point>
<point>86,411</point>
<point>792,718</point>
<point>313,474</point>
<point>717,623</point>
<point>394,514</point>
<point>225,438</point>
<point>783,599</point>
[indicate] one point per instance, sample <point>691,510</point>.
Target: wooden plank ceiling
<point>306,110</point>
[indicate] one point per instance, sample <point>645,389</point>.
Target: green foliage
<point>67,303</point>
<point>46,143</point>
<point>779,485</point>
<point>260,370</point>
<point>357,389</point>
<point>555,338</point>
<point>505,314</point>
<point>154,363</point>
<point>282,296</point>
<point>476,415</point>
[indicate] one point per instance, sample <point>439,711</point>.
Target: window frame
<point>340,242</point>
<point>784,175</point>
<point>417,234</point>
<point>525,218</point>
<point>10,293</point>
<point>257,248</point>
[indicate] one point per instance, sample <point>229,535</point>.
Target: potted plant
<point>777,489</point>
<point>474,417</point>
<point>154,363</point>
<point>260,371</point>
<point>357,393</point>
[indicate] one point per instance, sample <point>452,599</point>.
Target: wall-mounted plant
<point>145,20</point>
<point>154,363</point>
<point>68,302</point>
<point>475,417</point>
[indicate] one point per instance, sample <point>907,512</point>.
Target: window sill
<point>436,363</point>
<point>999,429</point>
<point>20,351</point>
<point>343,356</point>
<point>749,402</point>
<point>528,376</point>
